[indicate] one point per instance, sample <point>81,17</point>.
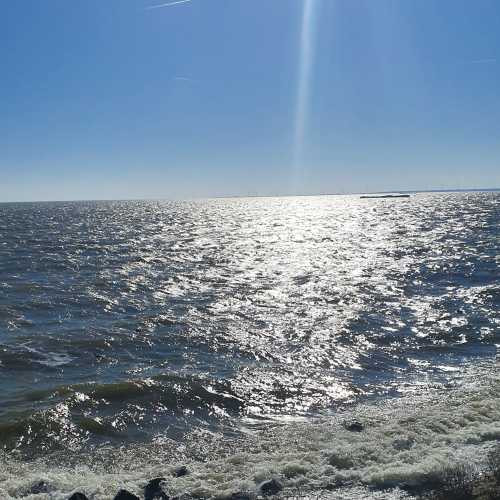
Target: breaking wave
<point>403,444</point>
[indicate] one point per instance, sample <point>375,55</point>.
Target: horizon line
<point>229,196</point>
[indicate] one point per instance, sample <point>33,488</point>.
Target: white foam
<point>404,441</point>
<point>51,359</point>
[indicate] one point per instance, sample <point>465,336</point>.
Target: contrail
<point>483,61</point>
<point>169,4</point>
<point>182,79</point>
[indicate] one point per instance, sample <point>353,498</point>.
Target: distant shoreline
<point>408,191</point>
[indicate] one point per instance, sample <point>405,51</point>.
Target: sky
<point>117,99</point>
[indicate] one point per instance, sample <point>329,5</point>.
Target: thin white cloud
<point>169,4</point>
<point>483,61</point>
<point>182,79</point>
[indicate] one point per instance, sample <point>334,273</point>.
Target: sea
<point>347,347</point>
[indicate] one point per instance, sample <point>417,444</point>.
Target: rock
<point>125,495</point>
<point>78,496</point>
<point>38,488</point>
<point>354,426</point>
<point>154,491</point>
<point>403,444</point>
<point>181,471</point>
<point>272,487</point>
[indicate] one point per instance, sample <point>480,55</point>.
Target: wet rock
<point>154,491</point>
<point>39,488</point>
<point>125,495</point>
<point>272,487</point>
<point>181,471</point>
<point>403,444</point>
<point>78,496</point>
<point>354,426</point>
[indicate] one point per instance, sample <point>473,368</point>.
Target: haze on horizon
<point>108,99</point>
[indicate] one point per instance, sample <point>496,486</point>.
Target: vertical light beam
<point>304,88</point>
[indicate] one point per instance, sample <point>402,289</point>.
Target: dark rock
<point>181,471</point>
<point>78,496</point>
<point>403,444</point>
<point>354,426</point>
<point>38,488</point>
<point>272,487</point>
<point>125,495</point>
<point>154,491</point>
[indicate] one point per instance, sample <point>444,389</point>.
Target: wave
<point>23,356</point>
<point>402,444</point>
<point>69,416</point>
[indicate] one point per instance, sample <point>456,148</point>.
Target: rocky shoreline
<point>444,448</point>
<point>155,490</point>
<point>458,482</point>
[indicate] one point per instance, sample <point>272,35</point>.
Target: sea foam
<point>404,444</point>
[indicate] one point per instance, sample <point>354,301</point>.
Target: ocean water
<point>238,336</point>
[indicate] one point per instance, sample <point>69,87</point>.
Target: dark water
<point>131,322</point>
<point>123,320</point>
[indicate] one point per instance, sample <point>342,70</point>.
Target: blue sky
<point>113,99</point>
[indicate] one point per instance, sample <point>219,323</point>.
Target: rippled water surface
<point>134,322</point>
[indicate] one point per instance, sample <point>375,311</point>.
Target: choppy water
<point>170,331</point>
